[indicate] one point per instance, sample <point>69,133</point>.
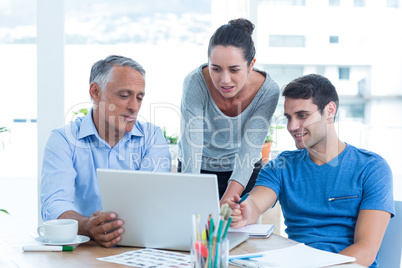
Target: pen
<point>248,256</point>
<point>244,263</point>
<point>193,217</point>
<point>198,219</point>
<point>242,199</point>
<point>227,228</point>
<point>47,248</point>
<point>211,231</point>
<point>218,241</point>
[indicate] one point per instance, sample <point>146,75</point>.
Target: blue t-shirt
<point>320,204</point>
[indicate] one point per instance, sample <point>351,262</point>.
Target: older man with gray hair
<point>109,136</point>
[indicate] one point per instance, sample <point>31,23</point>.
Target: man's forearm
<point>82,222</point>
<point>260,200</point>
<point>369,231</point>
<point>255,212</point>
<point>364,254</point>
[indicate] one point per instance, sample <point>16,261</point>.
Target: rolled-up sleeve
<point>57,178</point>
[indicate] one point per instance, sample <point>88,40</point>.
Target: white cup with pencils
<point>210,247</point>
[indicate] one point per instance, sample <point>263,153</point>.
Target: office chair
<point>389,255</point>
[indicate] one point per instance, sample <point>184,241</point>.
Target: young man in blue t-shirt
<point>334,196</point>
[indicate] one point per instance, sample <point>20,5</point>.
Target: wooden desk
<point>13,236</point>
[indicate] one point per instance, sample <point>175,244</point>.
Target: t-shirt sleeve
<point>270,175</point>
<point>377,186</point>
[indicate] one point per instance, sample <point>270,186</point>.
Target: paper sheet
<point>255,230</point>
<point>150,258</point>
<point>298,256</point>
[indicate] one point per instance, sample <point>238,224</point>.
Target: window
<point>320,69</point>
<point>158,34</point>
<point>360,3</point>
<point>285,2</point>
<point>18,101</point>
<point>18,109</point>
<point>351,109</point>
<point>362,87</point>
<point>283,74</point>
<point>393,3</point>
<point>344,73</point>
<point>334,39</point>
<point>286,41</point>
<point>354,110</point>
<point>134,22</point>
<point>334,3</point>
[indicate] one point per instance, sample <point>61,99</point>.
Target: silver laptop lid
<point>157,207</point>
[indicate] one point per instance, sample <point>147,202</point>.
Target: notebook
<point>157,207</point>
<point>255,230</point>
<point>293,256</point>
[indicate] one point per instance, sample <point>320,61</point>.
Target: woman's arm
<point>256,129</point>
<point>192,123</point>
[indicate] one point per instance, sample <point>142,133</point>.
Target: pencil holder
<point>204,256</point>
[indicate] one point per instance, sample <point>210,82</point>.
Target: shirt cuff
<point>57,208</point>
<point>242,176</point>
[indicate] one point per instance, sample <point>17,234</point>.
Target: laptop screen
<point>157,207</point>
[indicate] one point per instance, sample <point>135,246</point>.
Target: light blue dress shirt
<point>74,152</point>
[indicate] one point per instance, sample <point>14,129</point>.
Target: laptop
<point>157,207</point>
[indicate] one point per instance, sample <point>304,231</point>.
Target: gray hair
<point>102,70</point>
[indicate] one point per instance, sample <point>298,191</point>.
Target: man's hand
<point>240,211</point>
<point>105,228</point>
<point>247,212</point>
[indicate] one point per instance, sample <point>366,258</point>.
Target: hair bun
<point>244,24</point>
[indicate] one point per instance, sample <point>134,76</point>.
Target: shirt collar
<point>88,128</point>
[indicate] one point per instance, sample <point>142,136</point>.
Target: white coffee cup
<point>59,231</point>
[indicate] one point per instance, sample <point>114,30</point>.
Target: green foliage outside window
<point>271,132</point>
<point>170,139</point>
<point>4,130</point>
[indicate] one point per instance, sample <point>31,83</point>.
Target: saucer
<point>77,240</point>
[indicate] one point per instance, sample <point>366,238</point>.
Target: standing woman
<point>226,108</point>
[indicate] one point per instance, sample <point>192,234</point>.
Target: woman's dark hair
<point>236,33</point>
<point>314,86</point>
